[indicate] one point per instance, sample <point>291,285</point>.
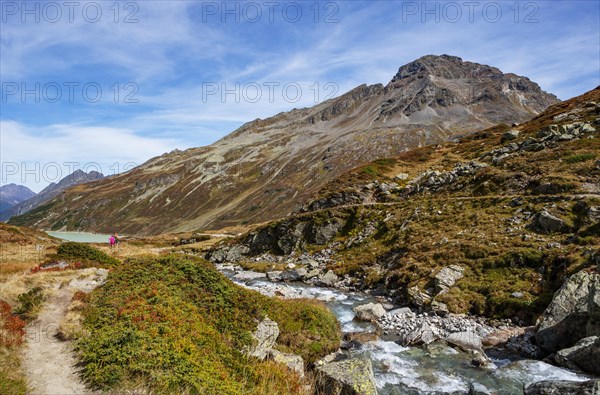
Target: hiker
<point>112,241</point>
<point>117,240</point>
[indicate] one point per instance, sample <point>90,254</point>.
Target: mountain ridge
<point>13,194</point>
<point>268,167</point>
<point>49,192</point>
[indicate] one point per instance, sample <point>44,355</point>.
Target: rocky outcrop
<point>348,377</point>
<point>281,238</point>
<point>573,314</point>
<point>369,312</point>
<point>417,297</point>
<point>292,361</point>
<point>414,329</point>
<point>583,356</point>
<point>544,222</point>
<point>447,277</point>
<point>591,387</point>
<point>329,279</point>
<point>264,338</point>
<point>468,341</point>
<point>545,138</point>
<point>433,180</point>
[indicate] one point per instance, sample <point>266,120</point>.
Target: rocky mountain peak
<point>268,167</point>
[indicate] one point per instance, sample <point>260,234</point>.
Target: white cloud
<point>33,154</point>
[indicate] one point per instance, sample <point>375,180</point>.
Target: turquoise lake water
<point>82,237</point>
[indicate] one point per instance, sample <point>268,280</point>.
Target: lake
<point>82,237</point>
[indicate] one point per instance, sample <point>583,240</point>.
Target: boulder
<point>361,337</point>
<point>348,377</point>
<point>465,340</point>
<point>293,275</point>
<point>439,308</point>
<point>584,356</point>
<point>417,297</point>
<point>573,314</point>
<point>591,387</point>
<point>447,277</point>
<point>422,334</point>
<point>510,135</point>
<point>292,361</point>
<point>401,176</point>
<point>369,312</point>
<point>313,273</point>
<point>478,389</point>
<point>264,338</point>
<point>545,222</point>
<point>329,279</point>
<point>274,275</point>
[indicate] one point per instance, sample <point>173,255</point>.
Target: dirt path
<point>48,362</point>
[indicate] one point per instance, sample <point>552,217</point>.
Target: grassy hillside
<point>175,324</point>
<point>516,211</point>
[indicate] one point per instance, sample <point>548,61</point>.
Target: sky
<point>106,85</point>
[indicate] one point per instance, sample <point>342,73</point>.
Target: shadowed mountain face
<point>50,192</point>
<point>268,168</point>
<point>13,194</point>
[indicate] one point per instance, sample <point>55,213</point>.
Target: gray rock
<point>573,314</point>
<point>422,334</point>
<point>264,338</point>
<point>545,222</point>
<point>417,297</point>
<point>274,275</point>
<point>293,275</point>
<point>349,377</point>
<point>584,356</point>
<point>518,295</point>
<point>447,277</point>
<point>292,361</point>
<point>439,308</point>
<point>401,176</point>
<point>329,279</point>
<point>312,274</point>
<point>369,312</point>
<point>510,135</point>
<point>465,340</point>
<point>597,165</point>
<point>591,387</point>
<point>479,389</point>
<point>594,213</point>
<point>248,275</point>
<point>403,311</point>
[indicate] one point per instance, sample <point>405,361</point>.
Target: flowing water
<point>435,369</point>
<point>82,237</point>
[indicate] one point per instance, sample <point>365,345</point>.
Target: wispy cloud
<point>173,52</point>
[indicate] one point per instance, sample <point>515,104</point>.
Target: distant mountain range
<point>269,168</point>
<point>13,194</point>
<point>33,201</point>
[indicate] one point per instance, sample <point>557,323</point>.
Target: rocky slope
<point>13,194</point>
<point>268,168</point>
<point>489,225</point>
<point>51,191</point>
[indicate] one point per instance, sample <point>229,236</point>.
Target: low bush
<point>29,303</point>
<point>85,254</point>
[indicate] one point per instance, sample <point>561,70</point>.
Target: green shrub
<point>579,158</point>
<point>178,325</point>
<point>30,303</point>
<point>84,253</point>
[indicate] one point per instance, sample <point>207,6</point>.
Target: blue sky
<point>102,87</point>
